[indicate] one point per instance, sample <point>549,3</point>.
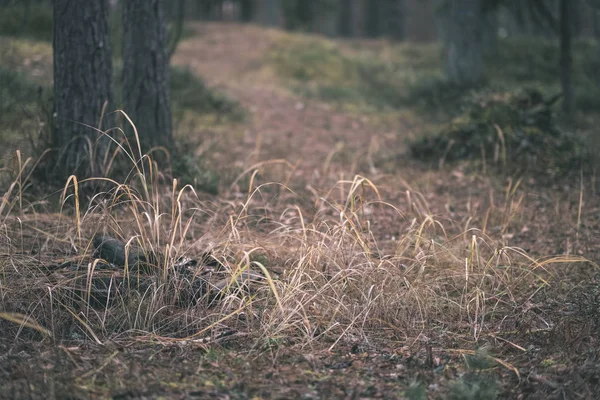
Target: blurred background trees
<point>141,40</point>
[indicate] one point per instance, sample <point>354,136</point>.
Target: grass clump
<point>501,128</point>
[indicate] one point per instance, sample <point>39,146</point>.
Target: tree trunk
<point>373,20</point>
<point>82,85</point>
<point>521,17</point>
<point>246,10</point>
<point>576,17</point>
<point>146,72</point>
<point>349,11</point>
<point>326,18</point>
<point>272,13</point>
<point>441,18</point>
<point>596,23</point>
<point>396,19</point>
<point>566,57</point>
<point>464,62</point>
<point>206,10</point>
<point>489,35</point>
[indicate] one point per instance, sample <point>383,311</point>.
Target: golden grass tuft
<point>329,275</point>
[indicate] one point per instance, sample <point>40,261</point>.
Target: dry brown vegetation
<point>380,277</point>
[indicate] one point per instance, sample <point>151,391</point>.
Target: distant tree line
<point>397,19</point>
<point>83,68</point>
<point>469,29</point>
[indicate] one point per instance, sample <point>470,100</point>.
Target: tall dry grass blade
<point>25,321</point>
<point>63,198</point>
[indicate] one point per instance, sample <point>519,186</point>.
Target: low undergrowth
<point>389,75</point>
<point>327,275</point>
<point>515,131</point>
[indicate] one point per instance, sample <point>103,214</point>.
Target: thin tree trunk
<point>566,57</point>
<point>326,18</point>
<point>82,85</point>
<point>489,35</point>
<point>596,23</point>
<point>464,61</point>
<point>373,21</point>
<point>396,16</point>
<point>272,13</point>
<point>146,72</point>
<point>441,20</point>
<point>349,18</point>
<point>246,10</point>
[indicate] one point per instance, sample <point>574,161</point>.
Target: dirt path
<point>282,124</point>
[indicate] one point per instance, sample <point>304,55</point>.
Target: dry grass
<point>330,276</point>
<point>354,257</point>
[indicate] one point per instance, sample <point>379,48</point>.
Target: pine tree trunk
<point>349,11</point>
<point>373,20</point>
<point>566,60</point>
<point>464,61</point>
<point>82,86</point>
<point>326,18</point>
<point>246,10</point>
<point>272,13</point>
<point>146,95</point>
<point>396,19</point>
<point>489,36</point>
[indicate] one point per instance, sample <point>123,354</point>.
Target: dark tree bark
<point>489,31</point>
<point>326,16</point>
<point>566,61</point>
<point>146,72</point>
<point>396,19</point>
<point>206,10</point>
<point>349,11</point>
<point>298,14</point>
<point>82,86</point>
<point>246,10</point>
<point>464,60</point>
<point>596,23</point>
<point>373,18</point>
<point>441,18</point>
<point>576,18</point>
<point>272,13</point>
<point>386,17</point>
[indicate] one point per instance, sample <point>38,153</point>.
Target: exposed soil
<point>323,145</point>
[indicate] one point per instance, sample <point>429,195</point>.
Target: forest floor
<point>547,347</point>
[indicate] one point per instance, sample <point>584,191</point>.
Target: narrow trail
<point>281,125</point>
